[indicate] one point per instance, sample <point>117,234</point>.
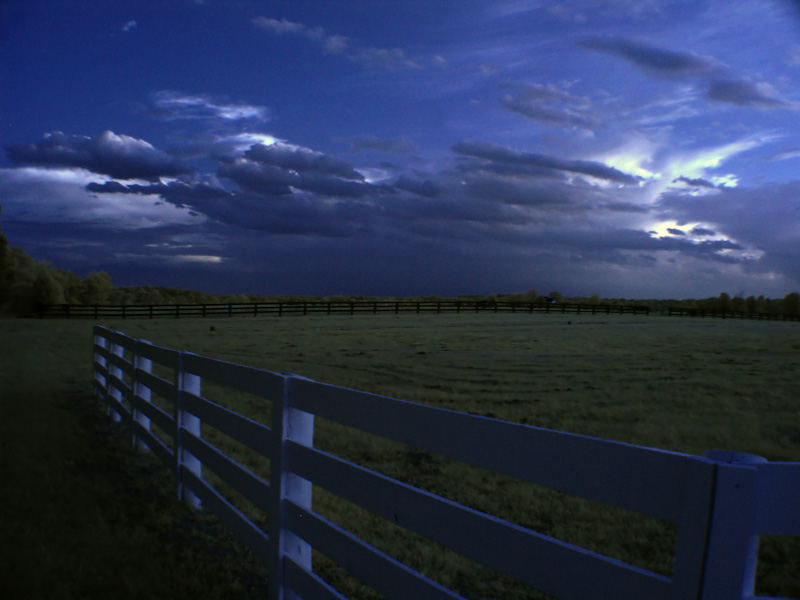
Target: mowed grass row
<point>680,384</point>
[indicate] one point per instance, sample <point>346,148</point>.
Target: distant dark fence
<point>254,309</point>
<point>730,314</point>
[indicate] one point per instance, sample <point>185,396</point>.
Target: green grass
<point>679,384</point>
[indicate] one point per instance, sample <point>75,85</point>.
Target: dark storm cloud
<point>695,182</point>
<point>651,58</point>
<point>702,231</point>
<point>427,188</point>
<point>624,207</point>
<point>528,193</point>
<point>747,94</point>
<point>257,177</point>
<point>764,217</point>
<point>273,180</point>
<point>674,231</point>
<point>296,215</point>
<point>474,165</point>
<point>118,156</point>
<point>302,160</point>
<point>497,154</point>
<point>170,191</point>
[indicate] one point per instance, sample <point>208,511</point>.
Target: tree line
<point>26,284</point>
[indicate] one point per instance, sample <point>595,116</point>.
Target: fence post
<point>114,391</point>
<point>693,528</point>
<point>732,549</point>
<point>288,424</point>
<point>100,360</point>
<point>141,393</point>
<point>186,421</point>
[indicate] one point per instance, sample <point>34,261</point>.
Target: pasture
<point>679,384</point>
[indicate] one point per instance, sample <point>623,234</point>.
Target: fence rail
<point>721,502</point>
<point>129,311</point>
<point>730,314</point>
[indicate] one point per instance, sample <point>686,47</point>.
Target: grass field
<point>679,384</point>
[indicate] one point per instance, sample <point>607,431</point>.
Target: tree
<point>96,288</point>
<point>531,295</point>
<point>724,303</point>
<point>791,304</point>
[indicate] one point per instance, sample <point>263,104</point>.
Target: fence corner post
<point>732,549</point>
<point>186,422</point>
<point>288,424</point>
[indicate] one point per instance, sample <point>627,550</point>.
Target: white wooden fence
<point>721,502</point>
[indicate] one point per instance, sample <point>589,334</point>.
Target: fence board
<point>103,351</point>
<point>250,534</point>
<point>553,566</point>
<point>122,410</point>
<point>101,370</point>
<point>121,363</point>
<point>248,432</point>
<point>386,575</point>
<point>119,338</point>
<point>593,468</point>
<point>264,384</point>
<point>779,490</point>
<point>162,356</point>
<point>251,486</point>
<point>162,419</point>
<point>159,448</point>
<point>124,389</point>
<point>308,586</point>
<point>162,387</point>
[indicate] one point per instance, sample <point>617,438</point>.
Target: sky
<point>628,148</point>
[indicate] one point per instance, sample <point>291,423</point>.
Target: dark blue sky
<point>635,148</point>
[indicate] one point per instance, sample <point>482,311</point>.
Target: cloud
<point>497,154</point>
<point>698,182</point>
<point>118,156</point>
<point>174,105</point>
<point>272,180</point>
<point>553,116</point>
<point>547,103</point>
<point>787,154</point>
<point>305,160</point>
<point>52,195</point>
<point>748,94</point>
<point>703,232</point>
<point>129,26</point>
<point>652,59</point>
<point>389,58</point>
<point>760,218</point>
<point>675,231</point>
<point>427,189</point>
<point>175,191</point>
